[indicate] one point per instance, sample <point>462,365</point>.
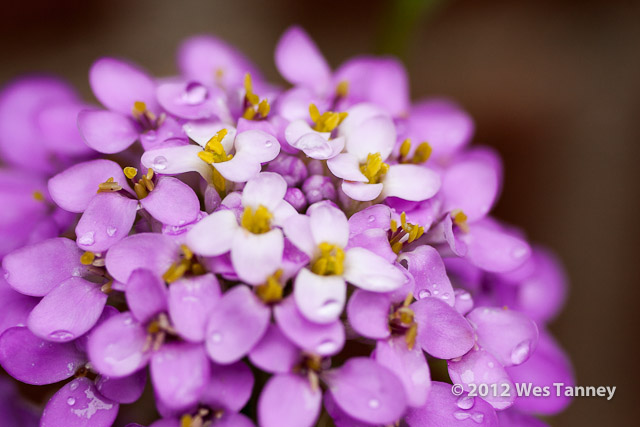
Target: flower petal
<point>319,298</point>
<point>79,404</point>
<point>123,390</point>
<point>411,182</point>
<point>361,191</point>
<point>274,353</point>
<point>202,131</point>
<point>172,202</point>
<point>410,366</point>
<point>322,339</point>
<point>35,270</point>
<point>494,250</point>
<point>442,331</point>
<point>328,224</point>
<point>260,145</point>
<point>190,100</point>
<point>229,387</point>
<point>297,228</point>
<point>346,166</point>
<point>32,360</point>
<point>213,235</point>
<point>117,347</point>
<point>74,188</point>
<point>107,131</point>
<point>368,314</point>
<point>190,302</point>
<point>237,323</point>
<point>367,391</point>
<point>266,189</point>
<point>180,373</point>
<point>146,294</point>
<point>300,62</point>
<point>241,168</point>
<point>255,257</point>
<point>371,272</point>
<point>68,311</point>
<point>373,217</point>
<point>16,307</point>
<point>118,84</point>
<point>287,400</point>
<point>107,220</point>
<point>428,270</point>
<point>177,160</point>
<point>374,135</point>
<point>152,251</point>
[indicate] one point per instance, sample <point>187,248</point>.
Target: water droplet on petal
<point>374,403</point>
<point>371,218</point>
<point>326,347</point>
<point>60,336</point>
<point>6,275</point>
<point>111,231</point>
<point>87,239</point>
<point>216,337</point>
<point>329,306</point>
<point>519,252</point>
<point>73,386</point>
<point>424,294</point>
<point>195,94</point>
<point>71,401</point>
<point>465,402</point>
<point>150,136</point>
<point>436,292</point>
<point>521,352</point>
<point>459,415</point>
<point>478,417</point>
<point>159,163</point>
<point>445,295</point>
<point>491,364</point>
<point>268,144</point>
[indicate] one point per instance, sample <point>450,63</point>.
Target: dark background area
<point>553,85</point>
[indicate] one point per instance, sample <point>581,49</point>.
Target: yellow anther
<point>207,157</point>
<point>214,151</point>
<point>342,90</point>
<point>396,247</point>
<point>408,300</point>
<point>460,219</point>
<point>218,181</point>
<point>248,85</point>
<point>38,196</point>
<point>138,109</point>
<point>410,336</point>
<point>422,153</point>
<point>188,254</point>
<point>405,147</point>
<point>197,269</point>
<point>394,225</point>
<point>107,287</point>
<point>87,258</point>
<point>186,421</point>
<point>249,113</point>
<point>405,314</point>
<point>149,173</point>
<point>264,108</point>
<point>374,168</point>
<point>219,74</point>
<point>109,185</point>
<point>258,221</point>
<point>176,271</point>
<point>327,121</point>
<point>330,261</point>
<point>271,291</point>
<point>314,113</point>
<point>140,190</point>
<point>154,327</point>
<point>403,221</point>
<point>130,172</point>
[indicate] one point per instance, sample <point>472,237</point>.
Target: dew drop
<point>159,163</point>
<point>491,364</point>
<point>326,347</point>
<point>73,386</point>
<point>150,135</point>
<point>371,218</point>
<point>519,252</point>
<point>216,337</point>
<point>478,417</point>
<point>374,403</point>
<point>521,352</point>
<point>424,294</point>
<point>87,239</point>
<point>60,336</point>
<point>111,231</point>
<point>459,415</point>
<point>71,401</point>
<point>435,292</point>
<point>465,402</point>
<point>445,296</point>
<point>195,94</point>
<point>328,307</point>
<point>6,275</point>
<point>268,144</point>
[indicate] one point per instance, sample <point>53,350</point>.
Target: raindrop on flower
<point>325,347</point>
<point>111,231</point>
<point>71,401</point>
<point>195,94</point>
<point>60,336</point>
<point>159,163</point>
<point>465,402</point>
<point>87,238</point>
<point>374,403</point>
<point>73,386</point>
<point>459,415</point>
<point>216,337</point>
<point>424,294</point>
<point>371,218</point>
<point>520,353</point>
<point>478,417</point>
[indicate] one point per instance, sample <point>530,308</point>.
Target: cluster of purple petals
<point>322,249</point>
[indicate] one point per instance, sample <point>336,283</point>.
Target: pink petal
<point>177,160</point>
<point>373,217</point>
<point>371,272</point>
<point>361,191</point>
<point>375,135</point>
<point>255,257</point>
<point>190,100</point>
<point>367,391</point>
<point>32,360</point>
<point>236,325</point>
<point>107,220</point>
<point>428,270</point>
<point>180,373</point>
<point>260,145</point>
<point>328,224</point>
<point>152,251</point>
<point>241,168</point>
<point>68,311</point>
<point>319,298</point>
<point>297,228</point>
<point>213,235</point>
<point>79,404</point>
<point>74,188</point>
<point>118,84</point>
<point>300,62</point>
<point>442,331</point>
<point>288,400</point>
<point>107,131</point>
<point>266,189</point>
<point>274,353</point>
<point>37,269</point>
<point>494,250</point>
<point>172,202</point>
<point>229,387</point>
<point>368,314</point>
<point>411,182</point>
<point>375,240</point>
<point>146,294</point>
<point>190,302</point>
<point>346,166</point>
<point>16,307</point>
<point>123,390</point>
<point>117,347</point>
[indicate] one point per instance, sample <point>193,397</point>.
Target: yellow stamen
<point>109,185</point>
<point>186,421</point>
<point>271,291</point>
<point>257,222</point>
<point>314,112</point>
<point>394,225</point>
<point>396,247</point>
<point>141,190</point>
<point>327,121</point>
<point>254,100</point>
<point>138,109</point>
<point>404,148</point>
<point>331,260</point>
<point>38,196</point>
<point>374,168</point>
<point>422,153</point>
<point>249,113</point>
<point>107,287</point>
<point>188,254</point>
<point>248,85</point>
<point>87,258</point>
<point>176,271</point>
<point>403,220</point>
<point>264,108</point>
<point>408,300</point>
<point>130,172</point>
<point>214,151</point>
<point>460,219</point>
<point>342,90</point>
<point>410,336</point>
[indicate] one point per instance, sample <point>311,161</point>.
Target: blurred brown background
<point>553,85</point>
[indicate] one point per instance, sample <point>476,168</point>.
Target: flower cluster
<point>323,250</point>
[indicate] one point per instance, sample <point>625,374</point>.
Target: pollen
<point>256,108</point>
<point>374,168</point>
<point>403,233</point>
<point>109,186</point>
<point>420,155</point>
<point>138,109</point>
<point>330,261</point>
<point>460,219</point>
<point>87,258</point>
<point>258,221</point>
<point>271,290</point>
<point>342,90</point>
<point>327,121</point>
<point>37,195</point>
<point>130,172</point>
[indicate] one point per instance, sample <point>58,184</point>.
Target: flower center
<point>402,322</point>
<point>144,185</point>
<point>327,121</point>
<point>460,219</point>
<point>330,261</point>
<point>186,264</point>
<point>258,221</point>
<point>214,151</point>
<point>420,155</point>
<point>255,108</point>
<point>271,290</point>
<point>406,233</point>
<point>146,118</point>
<point>374,168</point>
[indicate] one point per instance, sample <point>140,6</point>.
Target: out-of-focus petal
<point>229,387</point>
<point>146,294</point>
<point>374,135</point>
<point>319,298</point>
<point>213,235</point>
<point>190,100</point>
<point>428,270</point>
<point>288,400</point>
<point>255,257</point>
<point>371,272</point>
<point>191,300</point>
<point>368,314</point>
<point>172,202</point>
<point>494,250</point>
<point>107,131</point>
<point>411,182</point>
<point>152,251</point>
<point>123,390</point>
<point>274,353</point>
